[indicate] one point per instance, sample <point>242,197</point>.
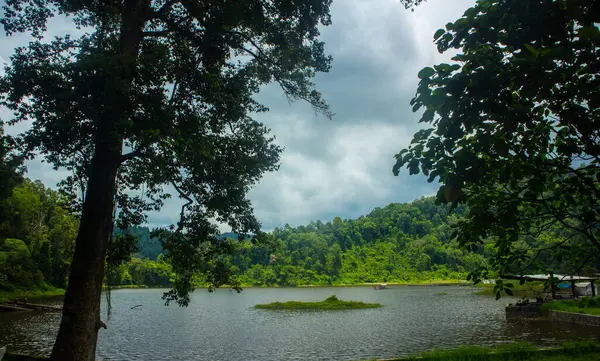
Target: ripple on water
<point>224,326</point>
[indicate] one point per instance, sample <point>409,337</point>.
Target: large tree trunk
<point>78,332</point>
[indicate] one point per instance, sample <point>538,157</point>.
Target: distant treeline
<point>401,242</point>
<point>409,242</point>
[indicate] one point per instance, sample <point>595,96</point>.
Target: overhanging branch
<point>131,155</point>
<point>163,9</point>
<point>189,200</point>
<point>156,34</point>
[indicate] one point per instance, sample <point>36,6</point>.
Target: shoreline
<point>577,351</point>
<point>342,285</point>
<point>6,297</point>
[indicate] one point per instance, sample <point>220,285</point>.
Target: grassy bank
<point>586,305</point>
<point>370,284</point>
<point>14,357</point>
<point>8,296</point>
<point>330,304</point>
<point>572,351</point>
<point>576,351</point>
<point>433,282</point>
<point>529,289</point>
<point>125,287</point>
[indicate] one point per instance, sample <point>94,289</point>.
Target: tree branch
<point>587,235</point>
<point>173,93</point>
<point>163,9</point>
<point>156,34</point>
<point>128,156</point>
<point>189,200</point>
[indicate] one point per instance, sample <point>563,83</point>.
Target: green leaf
<point>588,32</point>
<point>532,50</point>
<point>509,123</point>
<point>428,116</point>
<point>471,13</point>
<point>426,73</point>
<point>438,34</point>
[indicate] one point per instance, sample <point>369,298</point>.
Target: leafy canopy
<point>35,216</point>
<point>10,174</point>
<point>163,91</point>
<point>514,125</point>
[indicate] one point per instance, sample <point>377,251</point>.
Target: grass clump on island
<point>518,351</point>
<point>330,304</point>
<point>585,305</point>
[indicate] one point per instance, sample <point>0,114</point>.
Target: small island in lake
<point>330,304</point>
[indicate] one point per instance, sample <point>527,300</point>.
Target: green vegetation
<point>570,351</point>
<point>330,304</point>
<point>400,243</point>
<point>513,131</point>
<point>37,238</point>
<point>586,305</point>
<point>37,293</point>
<point>529,289</point>
<point>173,83</point>
<point>397,244</point>
<point>16,357</point>
<point>409,243</point>
<point>573,351</point>
<point>515,137</point>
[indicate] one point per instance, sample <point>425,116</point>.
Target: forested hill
<point>400,242</point>
<point>397,243</point>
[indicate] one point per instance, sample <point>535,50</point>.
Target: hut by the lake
<point>567,285</point>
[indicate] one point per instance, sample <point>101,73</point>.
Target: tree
<point>515,127</point>
<point>156,93</point>
<point>10,174</point>
<point>35,215</point>
<point>17,268</point>
<point>411,4</point>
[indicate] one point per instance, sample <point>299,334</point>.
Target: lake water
<point>223,325</point>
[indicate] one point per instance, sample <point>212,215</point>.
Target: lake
<point>223,325</point>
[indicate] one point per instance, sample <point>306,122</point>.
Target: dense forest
<point>37,238</point>
<point>402,242</point>
<point>397,243</point>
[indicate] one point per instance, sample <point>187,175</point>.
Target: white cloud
<point>339,167</point>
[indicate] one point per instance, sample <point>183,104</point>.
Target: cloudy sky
<point>339,167</point>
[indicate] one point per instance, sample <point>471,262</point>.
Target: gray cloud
<point>342,167</point>
<point>339,167</point>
